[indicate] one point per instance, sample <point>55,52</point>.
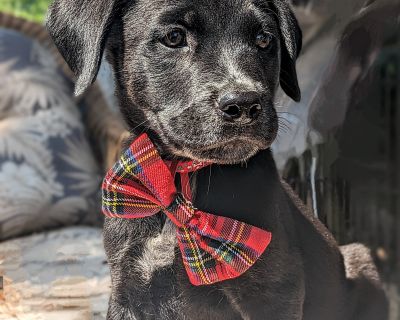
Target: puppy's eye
<point>264,40</point>
<point>176,38</point>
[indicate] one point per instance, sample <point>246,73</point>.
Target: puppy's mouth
<point>230,151</point>
<point>209,139</point>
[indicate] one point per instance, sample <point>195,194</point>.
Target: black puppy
<point>200,78</point>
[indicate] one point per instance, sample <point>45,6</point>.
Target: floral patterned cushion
<point>48,175</point>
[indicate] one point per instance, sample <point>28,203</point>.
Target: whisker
<point>140,124</point>
<point>284,121</point>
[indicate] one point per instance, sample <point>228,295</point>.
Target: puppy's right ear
<point>79,29</point>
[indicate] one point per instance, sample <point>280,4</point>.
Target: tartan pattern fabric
<point>213,248</point>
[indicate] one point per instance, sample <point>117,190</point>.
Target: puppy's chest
<point>158,253</point>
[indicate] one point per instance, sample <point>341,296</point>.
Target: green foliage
<point>29,9</point>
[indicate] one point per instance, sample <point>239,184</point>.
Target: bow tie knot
<point>180,211</point>
<point>213,248</point>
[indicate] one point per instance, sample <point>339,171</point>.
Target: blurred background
<point>34,10</point>
<point>339,148</point>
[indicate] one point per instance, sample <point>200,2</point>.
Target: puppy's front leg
<point>139,252</point>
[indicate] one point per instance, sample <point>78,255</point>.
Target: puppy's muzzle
<point>240,107</point>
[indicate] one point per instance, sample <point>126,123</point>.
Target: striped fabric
<point>213,248</point>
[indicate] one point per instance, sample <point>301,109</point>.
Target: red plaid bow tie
<point>213,248</point>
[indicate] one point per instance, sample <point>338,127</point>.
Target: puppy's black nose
<point>240,107</point>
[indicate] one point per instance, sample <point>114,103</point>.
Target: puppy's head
<point>199,76</point>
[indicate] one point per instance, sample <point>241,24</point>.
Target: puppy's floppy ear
<point>79,29</point>
<point>291,37</point>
